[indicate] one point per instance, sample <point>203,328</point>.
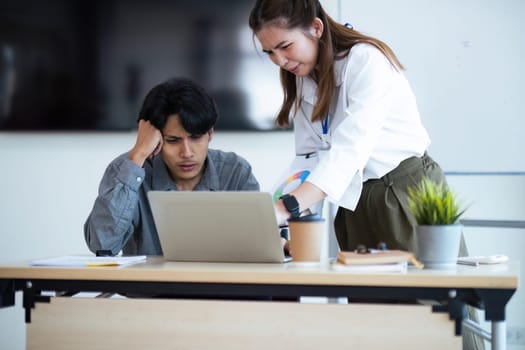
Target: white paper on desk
<point>395,267</point>
<point>82,261</point>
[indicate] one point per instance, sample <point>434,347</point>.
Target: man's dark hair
<point>190,101</point>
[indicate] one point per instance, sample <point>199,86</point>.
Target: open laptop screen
<point>216,226</point>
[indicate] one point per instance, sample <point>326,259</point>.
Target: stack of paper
<point>377,261</point>
<point>89,261</point>
<point>394,267</point>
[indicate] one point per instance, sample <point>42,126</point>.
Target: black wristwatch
<point>291,205</point>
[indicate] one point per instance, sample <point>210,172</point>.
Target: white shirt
<point>373,125</point>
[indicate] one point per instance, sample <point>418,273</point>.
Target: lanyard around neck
<point>324,125</point>
<point>325,144</point>
<point>324,137</point>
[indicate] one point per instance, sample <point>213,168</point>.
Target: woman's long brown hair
<point>334,44</point>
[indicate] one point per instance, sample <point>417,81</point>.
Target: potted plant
<point>438,231</point>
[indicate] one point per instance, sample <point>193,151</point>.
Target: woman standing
<point>352,108</point>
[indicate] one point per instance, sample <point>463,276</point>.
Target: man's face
<point>184,153</point>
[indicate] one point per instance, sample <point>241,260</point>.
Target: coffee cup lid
<point>307,218</point>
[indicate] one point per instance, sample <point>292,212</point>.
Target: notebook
<point>217,226</point>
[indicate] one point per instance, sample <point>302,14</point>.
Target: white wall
<point>464,60</point>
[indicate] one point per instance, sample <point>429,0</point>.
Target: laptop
<point>217,226</point>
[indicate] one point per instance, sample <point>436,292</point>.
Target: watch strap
<point>291,204</point>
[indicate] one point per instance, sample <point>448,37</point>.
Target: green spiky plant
<point>434,203</point>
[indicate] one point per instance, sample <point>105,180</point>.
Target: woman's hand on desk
<point>281,213</point>
<point>286,246</point>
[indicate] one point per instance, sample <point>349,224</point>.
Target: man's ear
<point>210,132</point>
<point>317,27</point>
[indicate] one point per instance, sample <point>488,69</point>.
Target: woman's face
<point>294,50</point>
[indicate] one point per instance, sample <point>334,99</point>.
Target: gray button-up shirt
<point>121,217</point>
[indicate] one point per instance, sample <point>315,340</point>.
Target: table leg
<point>499,335</point>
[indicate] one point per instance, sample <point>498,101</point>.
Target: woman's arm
<point>307,194</point>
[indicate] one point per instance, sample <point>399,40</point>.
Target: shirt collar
<point>162,180</point>
<point>210,178</point>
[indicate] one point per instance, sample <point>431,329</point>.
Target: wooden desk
<point>487,287</point>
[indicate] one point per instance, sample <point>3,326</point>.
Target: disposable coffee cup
<point>306,238</point>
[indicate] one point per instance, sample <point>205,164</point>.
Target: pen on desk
<point>467,262</point>
<point>418,264</point>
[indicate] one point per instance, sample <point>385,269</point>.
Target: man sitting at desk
<point>170,153</point>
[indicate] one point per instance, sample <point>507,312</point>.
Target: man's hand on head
<point>148,143</point>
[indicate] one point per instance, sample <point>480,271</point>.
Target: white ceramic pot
<point>438,245</point>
